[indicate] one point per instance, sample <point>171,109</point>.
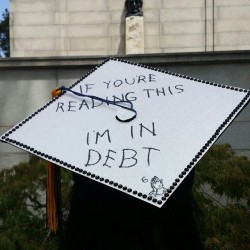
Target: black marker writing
<point>97,136</point>
<point>180,88</point>
<point>74,106</point>
<point>140,79</point>
<point>149,151</point>
<point>163,91</point>
<point>60,106</point>
<point>93,155</point>
<point>106,132</point>
<point>142,129</point>
<point>126,158</point>
<point>109,157</point>
<point>71,106</point>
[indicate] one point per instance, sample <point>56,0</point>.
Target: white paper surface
<point>178,119</point>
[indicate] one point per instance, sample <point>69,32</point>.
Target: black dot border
<point>182,175</point>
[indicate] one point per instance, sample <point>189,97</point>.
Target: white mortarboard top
<point>176,120</point>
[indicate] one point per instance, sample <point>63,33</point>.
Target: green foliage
<point>225,172</point>
<point>23,206</point>
<point>5,34</point>
<point>223,227</point>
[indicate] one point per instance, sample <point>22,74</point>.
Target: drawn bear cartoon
<point>158,188</point>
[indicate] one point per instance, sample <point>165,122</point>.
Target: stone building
<point>58,41</point>
<point>97,27</point>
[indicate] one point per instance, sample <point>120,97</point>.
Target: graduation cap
<point>134,128</point>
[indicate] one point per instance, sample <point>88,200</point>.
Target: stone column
<point>134,27</point>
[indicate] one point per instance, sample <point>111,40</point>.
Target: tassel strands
<point>53,200</point>
<point>54,210</point>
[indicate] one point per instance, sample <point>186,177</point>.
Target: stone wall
<point>97,27</point>
<point>26,84</point>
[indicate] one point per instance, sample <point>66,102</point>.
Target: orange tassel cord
<point>53,200</point>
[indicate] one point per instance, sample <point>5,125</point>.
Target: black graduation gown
<point>104,218</point>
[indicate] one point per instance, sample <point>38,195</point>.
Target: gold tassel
<point>53,201</point>
<point>54,217</point>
